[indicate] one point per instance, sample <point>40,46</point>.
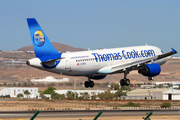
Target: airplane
<point>14,62</point>
<point>17,62</point>
<point>95,64</point>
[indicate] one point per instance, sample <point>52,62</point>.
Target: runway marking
<point>19,119</point>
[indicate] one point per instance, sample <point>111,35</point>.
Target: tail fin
<point>42,46</point>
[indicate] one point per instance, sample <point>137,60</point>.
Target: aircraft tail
<point>43,48</point>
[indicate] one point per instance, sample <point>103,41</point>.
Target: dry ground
<point>29,104</point>
<point>20,73</point>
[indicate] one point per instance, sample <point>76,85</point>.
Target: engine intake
<point>150,70</point>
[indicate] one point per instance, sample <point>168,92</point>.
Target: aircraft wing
<point>133,65</point>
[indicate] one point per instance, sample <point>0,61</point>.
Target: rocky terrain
<point>58,46</point>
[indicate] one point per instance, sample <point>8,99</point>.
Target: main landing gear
<point>89,83</point>
<point>125,81</point>
<point>150,78</point>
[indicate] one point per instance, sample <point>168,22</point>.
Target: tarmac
<point>177,117</point>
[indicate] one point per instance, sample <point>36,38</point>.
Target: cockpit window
<point>162,51</point>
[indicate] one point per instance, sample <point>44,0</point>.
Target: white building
<point>90,92</point>
<point>171,95</point>
<point>4,91</point>
<point>50,79</point>
<point>14,91</point>
<point>138,94</point>
<point>165,83</point>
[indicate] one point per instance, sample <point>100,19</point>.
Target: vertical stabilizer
<point>42,46</point>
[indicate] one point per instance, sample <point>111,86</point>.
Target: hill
<point>16,73</point>
<point>58,46</point>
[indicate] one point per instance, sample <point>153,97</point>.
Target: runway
<point>74,114</point>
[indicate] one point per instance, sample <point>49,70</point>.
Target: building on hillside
<point>30,52</point>
<point>147,86</point>
<point>141,94</point>
<point>50,79</point>
<point>171,94</point>
<point>165,83</point>
<point>14,91</point>
<point>79,92</point>
<point>175,57</point>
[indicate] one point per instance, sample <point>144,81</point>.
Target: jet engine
<point>97,77</point>
<point>150,70</point>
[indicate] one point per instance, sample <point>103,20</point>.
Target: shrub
<point>165,105</point>
<point>81,98</point>
<point>19,95</point>
<point>131,104</point>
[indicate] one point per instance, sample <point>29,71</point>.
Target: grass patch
<point>130,104</point>
<point>165,105</point>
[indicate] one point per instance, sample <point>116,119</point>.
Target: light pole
<point>75,88</point>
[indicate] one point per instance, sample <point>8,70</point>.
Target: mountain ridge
<point>58,46</point>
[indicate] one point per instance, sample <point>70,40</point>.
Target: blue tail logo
<point>38,38</point>
<point>43,48</point>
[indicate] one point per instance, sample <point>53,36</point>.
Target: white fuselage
<point>86,63</point>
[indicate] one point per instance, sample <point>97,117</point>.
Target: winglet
<point>174,51</point>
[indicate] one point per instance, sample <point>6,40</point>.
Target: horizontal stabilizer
<point>52,57</point>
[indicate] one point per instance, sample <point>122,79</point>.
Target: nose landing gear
<point>150,78</point>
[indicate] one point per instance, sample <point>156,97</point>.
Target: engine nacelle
<point>150,70</point>
<point>97,77</point>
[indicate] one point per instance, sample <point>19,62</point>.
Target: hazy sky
<point>93,24</point>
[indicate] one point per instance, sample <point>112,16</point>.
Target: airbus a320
<point>95,64</point>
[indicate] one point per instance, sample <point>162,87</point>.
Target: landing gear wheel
<point>91,84</point>
<point>127,82</point>
<point>86,84</point>
<point>122,82</point>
